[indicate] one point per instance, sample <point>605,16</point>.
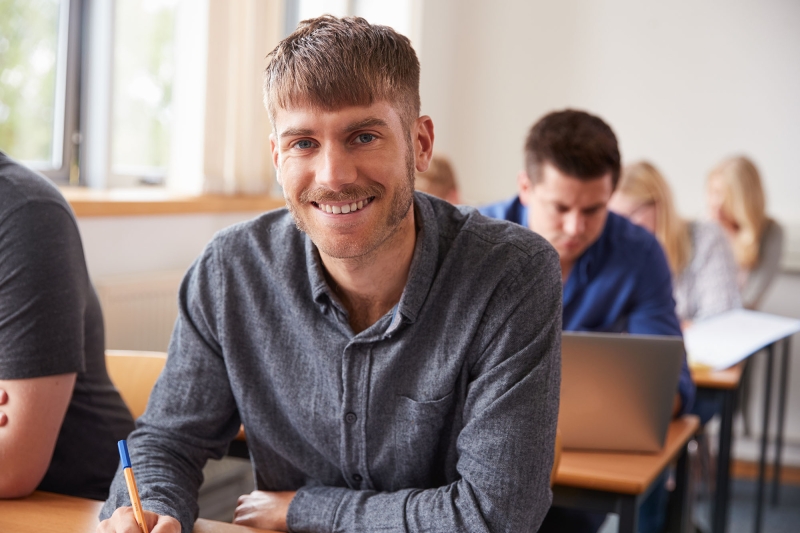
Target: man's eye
<point>303,144</point>
<point>365,138</point>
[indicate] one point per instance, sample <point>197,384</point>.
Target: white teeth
<point>344,209</point>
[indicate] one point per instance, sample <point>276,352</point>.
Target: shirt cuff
<point>313,509</point>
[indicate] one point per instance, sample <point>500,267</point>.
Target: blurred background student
<point>703,266</point>
<point>439,180</point>
<point>736,201</point>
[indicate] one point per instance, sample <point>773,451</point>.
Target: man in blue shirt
<point>615,274</point>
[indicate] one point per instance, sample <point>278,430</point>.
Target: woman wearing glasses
<point>703,267</point>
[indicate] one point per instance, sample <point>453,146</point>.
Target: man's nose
<point>335,169</point>
<point>574,224</point>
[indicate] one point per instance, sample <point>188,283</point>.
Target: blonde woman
<point>703,267</point>
<point>736,202</point>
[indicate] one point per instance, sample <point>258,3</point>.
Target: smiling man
<point>615,274</point>
<point>394,359</point>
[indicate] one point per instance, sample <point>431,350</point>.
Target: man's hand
<point>123,521</point>
<point>262,509</point>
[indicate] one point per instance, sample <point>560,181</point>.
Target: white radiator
<point>139,310</point>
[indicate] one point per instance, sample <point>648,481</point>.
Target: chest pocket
<point>420,432</point>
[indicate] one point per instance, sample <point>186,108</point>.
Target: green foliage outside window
<point>28,57</point>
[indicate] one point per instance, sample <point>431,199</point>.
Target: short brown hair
<point>331,63</point>
<point>576,143</point>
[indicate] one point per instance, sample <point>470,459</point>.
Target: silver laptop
<point>617,390</point>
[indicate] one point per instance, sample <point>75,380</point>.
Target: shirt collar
<point>423,263</point>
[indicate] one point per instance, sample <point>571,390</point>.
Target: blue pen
<point>138,513</point>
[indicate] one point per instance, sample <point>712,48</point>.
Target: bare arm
<point>34,411</point>
<point>41,337</point>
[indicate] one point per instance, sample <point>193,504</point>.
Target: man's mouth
<point>340,208</point>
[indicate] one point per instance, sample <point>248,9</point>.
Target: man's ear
<point>422,139</point>
<point>273,146</point>
<point>524,187</point>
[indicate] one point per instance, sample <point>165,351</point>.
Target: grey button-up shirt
<point>441,416</point>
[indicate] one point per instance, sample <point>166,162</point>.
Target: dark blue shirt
<point>621,283</point>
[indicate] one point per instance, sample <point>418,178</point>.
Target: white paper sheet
<point>725,339</point>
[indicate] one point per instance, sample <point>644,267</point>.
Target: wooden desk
<point>618,482</point>
<point>727,379</point>
<point>45,512</point>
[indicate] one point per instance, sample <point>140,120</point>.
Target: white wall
<point>682,83</point>
<point>117,246</point>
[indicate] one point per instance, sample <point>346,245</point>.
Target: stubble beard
<point>343,248</point>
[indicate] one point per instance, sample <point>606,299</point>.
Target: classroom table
<point>618,482</point>
<point>45,512</point>
<point>725,384</point>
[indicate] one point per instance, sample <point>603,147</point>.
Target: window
<point>142,86</point>
<point>119,55</point>
<point>38,77</point>
<point>116,93</point>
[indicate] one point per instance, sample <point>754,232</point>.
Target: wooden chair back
<point>134,374</point>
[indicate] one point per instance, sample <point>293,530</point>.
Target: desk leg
<point>719,523</point>
<point>678,518</point>
<point>776,471</point>
<point>628,510</point>
<point>762,465</point>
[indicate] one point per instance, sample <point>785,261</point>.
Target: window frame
<point>61,167</point>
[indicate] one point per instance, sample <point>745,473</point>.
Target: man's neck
<point>370,286</point>
<point>566,268</point>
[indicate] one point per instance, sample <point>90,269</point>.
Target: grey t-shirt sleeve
<point>43,287</point>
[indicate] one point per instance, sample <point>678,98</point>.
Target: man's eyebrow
<point>296,132</point>
<point>598,205</point>
<point>366,123</point>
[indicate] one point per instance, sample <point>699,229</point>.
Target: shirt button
<point>350,418</point>
<point>357,478</point>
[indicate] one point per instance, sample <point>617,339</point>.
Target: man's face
<point>347,175</point>
<point>569,212</point>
